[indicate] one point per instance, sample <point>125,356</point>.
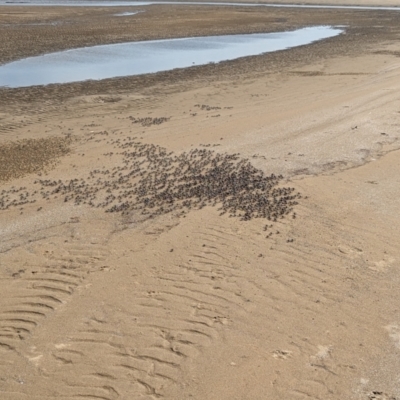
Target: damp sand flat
<point>204,306</point>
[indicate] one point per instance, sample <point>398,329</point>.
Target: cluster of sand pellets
<point>207,107</point>
<point>152,181</point>
<point>148,121</point>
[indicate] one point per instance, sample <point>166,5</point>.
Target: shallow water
<point>126,14</point>
<point>135,58</point>
<point>105,3</point>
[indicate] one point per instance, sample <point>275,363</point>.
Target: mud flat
<point>227,231</point>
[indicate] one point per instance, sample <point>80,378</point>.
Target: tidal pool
<point>136,58</point>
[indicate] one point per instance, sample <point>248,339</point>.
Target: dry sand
<point>111,305</point>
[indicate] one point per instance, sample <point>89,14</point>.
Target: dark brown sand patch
<point>30,155</point>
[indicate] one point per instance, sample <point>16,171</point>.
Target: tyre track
<point>35,292</point>
<point>145,348</point>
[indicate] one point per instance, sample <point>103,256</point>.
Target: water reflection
<point>135,58</point>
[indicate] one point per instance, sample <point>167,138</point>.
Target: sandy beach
<point>227,231</point>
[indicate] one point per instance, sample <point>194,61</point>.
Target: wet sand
<point>142,256</point>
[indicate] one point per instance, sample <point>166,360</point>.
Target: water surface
<point>126,14</point>
<point>135,58</point>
